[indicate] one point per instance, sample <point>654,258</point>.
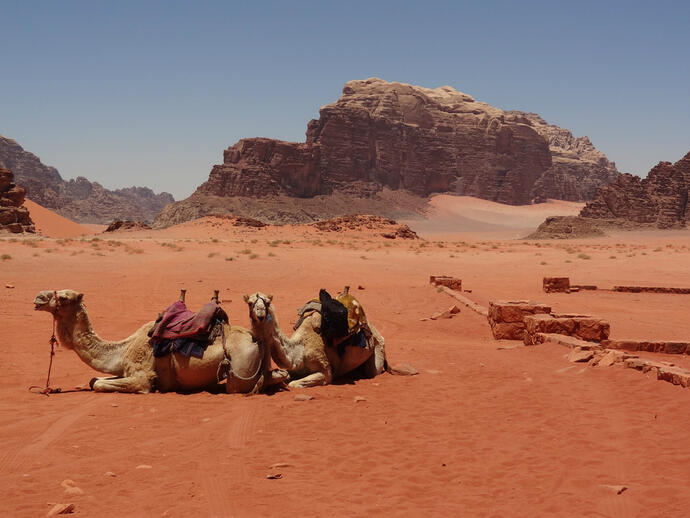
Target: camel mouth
<point>41,303</point>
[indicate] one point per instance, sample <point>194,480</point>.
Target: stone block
<point>508,330</point>
<point>506,318</point>
<point>445,280</point>
<point>585,327</point>
<point>556,284</point>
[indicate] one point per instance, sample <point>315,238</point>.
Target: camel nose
<point>260,318</point>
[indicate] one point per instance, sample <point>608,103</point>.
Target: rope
<point>53,340</point>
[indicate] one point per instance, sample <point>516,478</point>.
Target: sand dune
<point>50,224</point>
<point>452,215</point>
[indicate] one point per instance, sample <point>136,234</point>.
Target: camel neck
<point>77,333</point>
<point>287,353</point>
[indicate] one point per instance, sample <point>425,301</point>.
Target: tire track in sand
<point>12,461</point>
<point>222,488</point>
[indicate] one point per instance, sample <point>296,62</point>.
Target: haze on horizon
<point>151,93</point>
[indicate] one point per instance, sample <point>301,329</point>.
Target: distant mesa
<point>382,138</point>
<point>79,200</point>
<point>14,217</point>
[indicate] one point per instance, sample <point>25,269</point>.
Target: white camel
<point>304,355</point>
<point>132,365</point>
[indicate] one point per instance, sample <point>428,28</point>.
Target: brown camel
<point>304,355</point>
<point>132,364</point>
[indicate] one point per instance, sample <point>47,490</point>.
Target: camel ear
<point>270,297</point>
<point>79,297</point>
<point>245,297</point>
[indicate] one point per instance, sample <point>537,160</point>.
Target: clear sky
<point>150,93</point>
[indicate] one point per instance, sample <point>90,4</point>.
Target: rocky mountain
<point>660,199</point>
<point>13,216</point>
<point>401,137</point>
<point>78,199</point>
<point>578,169</point>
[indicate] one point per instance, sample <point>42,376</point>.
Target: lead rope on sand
<point>53,340</point>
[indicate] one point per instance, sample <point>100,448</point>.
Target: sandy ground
<point>479,432</point>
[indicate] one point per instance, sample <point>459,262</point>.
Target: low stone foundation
<point>445,280</point>
<point>507,318</point>
<point>651,289</point>
<point>584,327</point>
<point>667,347</point>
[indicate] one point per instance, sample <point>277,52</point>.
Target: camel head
<point>67,301</point>
<point>259,305</point>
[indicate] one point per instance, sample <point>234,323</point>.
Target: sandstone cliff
<point>578,169</point>
<point>78,199</point>
<point>13,216</point>
<point>660,199</point>
<point>402,137</point>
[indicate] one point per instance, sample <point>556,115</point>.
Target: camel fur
<point>304,355</point>
<point>131,363</point>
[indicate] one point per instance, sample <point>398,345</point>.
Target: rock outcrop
<point>566,227</point>
<point>401,137</point>
<point>660,199</point>
<point>13,217</point>
<point>79,199</point>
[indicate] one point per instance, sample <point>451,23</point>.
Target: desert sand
<point>479,432</point>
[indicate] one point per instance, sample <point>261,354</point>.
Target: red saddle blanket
<point>179,322</point>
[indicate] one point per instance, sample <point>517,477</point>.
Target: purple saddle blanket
<point>179,322</point>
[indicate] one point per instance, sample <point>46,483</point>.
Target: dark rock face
<point>13,217</point>
<point>78,199</point>
<point>659,200</point>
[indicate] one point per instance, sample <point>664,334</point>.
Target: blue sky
<point>150,93</point>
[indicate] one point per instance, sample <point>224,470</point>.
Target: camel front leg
<point>313,380</point>
<point>129,384</point>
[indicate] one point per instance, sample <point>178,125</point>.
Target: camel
<point>305,356</point>
<point>133,366</point>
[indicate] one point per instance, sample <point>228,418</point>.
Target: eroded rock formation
<point>402,137</point>
<point>78,199</point>
<point>660,199</point>
<point>13,217</point>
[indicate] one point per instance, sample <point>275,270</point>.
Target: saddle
<point>178,329</point>
<point>343,321</point>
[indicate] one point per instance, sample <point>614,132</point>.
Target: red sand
<point>479,432</point>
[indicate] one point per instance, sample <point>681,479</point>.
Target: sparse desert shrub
<point>212,254</point>
<point>543,263</point>
<point>229,258</point>
<point>254,256</point>
<point>612,257</point>
<point>271,254</point>
<point>246,251</point>
<point>583,256</point>
<point>5,257</point>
